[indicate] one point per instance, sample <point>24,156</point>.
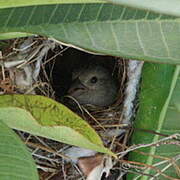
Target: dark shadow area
<point>60,69</point>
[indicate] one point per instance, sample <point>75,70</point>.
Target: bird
<point>93,85</point>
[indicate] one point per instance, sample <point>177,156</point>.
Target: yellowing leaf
<point>45,117</point>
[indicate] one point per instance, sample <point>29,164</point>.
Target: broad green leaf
<point>161,6</point>
<point>158,111</point>
<point>15,161</point>
<point>100,28</point>
<point>45,117</point>
<point>20,3</point>
<point>12,35</point>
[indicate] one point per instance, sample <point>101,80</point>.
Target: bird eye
<point>94,79</point>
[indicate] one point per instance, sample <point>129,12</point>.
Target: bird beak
<point>77,88</point>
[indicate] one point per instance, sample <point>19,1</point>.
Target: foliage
<point>110,29</point>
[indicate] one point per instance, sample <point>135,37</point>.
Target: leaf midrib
<point>177,20</point>
<point>163,114</point>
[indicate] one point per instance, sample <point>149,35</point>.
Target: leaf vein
<point>139,39</point>
<point>53,13</point>
<point>99,11</point>
<point>9,17</point>
<point>115,37</point>
<point>31,14</point>
<point>80,12</point>
<point>164,39</point>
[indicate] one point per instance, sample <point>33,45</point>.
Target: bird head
<point>93,85</point>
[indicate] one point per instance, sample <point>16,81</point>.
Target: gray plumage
<point>93,85</point>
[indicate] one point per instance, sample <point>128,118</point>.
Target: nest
<point>29,66</point>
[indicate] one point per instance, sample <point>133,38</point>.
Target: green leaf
<point>160,6</point>
<point>20,3</point>
<point>45,117</point>
<point>100,28</point>
<point>12,35</point>
<point>158,111</point>
<point>15,161</point>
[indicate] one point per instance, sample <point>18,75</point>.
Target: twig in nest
<point>93,118</point>
<point>144,166</point>
<point>157,143</point>
<point>48,150</point>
